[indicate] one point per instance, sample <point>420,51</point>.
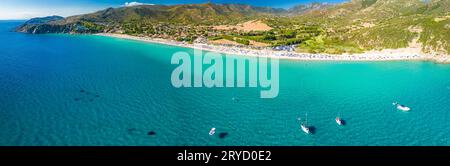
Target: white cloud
<point>128,4</point>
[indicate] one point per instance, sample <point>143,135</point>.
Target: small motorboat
<point>401,107</point>
<point>339,121</point>
<point>212,131</point>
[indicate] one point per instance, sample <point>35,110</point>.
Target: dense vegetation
<point>377,24</point>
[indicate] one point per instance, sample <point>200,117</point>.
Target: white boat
<point>305,129</point>
<point>339,121</point>
<point>401,107</point>
<point>212,131</point>
<point>304,126</point>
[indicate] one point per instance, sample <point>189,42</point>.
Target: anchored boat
<point>339,121</point>
<point>212,131</point>
<point>304,126</point>
<point>401,107</point>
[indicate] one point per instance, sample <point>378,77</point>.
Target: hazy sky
<point>24,9</point>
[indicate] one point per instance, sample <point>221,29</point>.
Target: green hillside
<point>352,27</point>
<point>372,24</point>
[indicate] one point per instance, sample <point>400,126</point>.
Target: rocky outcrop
<point>55,28</point>
<point>54,24</point>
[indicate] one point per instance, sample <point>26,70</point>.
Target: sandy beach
<point>381,55</point>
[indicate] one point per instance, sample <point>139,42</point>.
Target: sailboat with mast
<point>304,126</point>
<point>339,121</point>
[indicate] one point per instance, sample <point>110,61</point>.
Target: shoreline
<point>402,54</point>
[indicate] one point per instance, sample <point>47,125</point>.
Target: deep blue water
<point>93,90</point>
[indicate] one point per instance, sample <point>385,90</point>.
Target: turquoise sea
<point>93,90</point>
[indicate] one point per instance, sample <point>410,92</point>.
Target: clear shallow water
<point>49,86</point>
